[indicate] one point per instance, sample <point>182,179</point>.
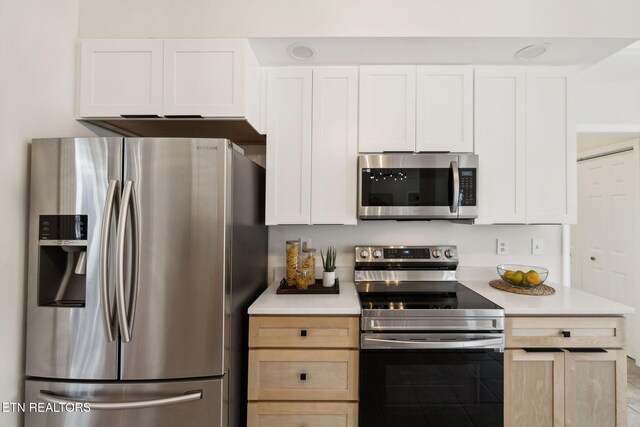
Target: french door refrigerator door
<point>172,300</point>
<point>158,404</point>
<point>71,333</point>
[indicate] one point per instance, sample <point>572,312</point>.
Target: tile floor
<point>633,394</point>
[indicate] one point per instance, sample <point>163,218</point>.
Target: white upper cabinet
<point>444,109</point>
<point>526,144</point>
<point>387,108</point>
<point>551,146</point>
<point>500,144</point>
<point>120,77</point>
<point>211,78</point>
<point>173,77</point>
<point>334,145</point>
<point>288,199</point>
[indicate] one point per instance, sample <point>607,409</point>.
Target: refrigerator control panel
<point>63,227</point>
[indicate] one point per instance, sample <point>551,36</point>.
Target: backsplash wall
<point>476,243</point>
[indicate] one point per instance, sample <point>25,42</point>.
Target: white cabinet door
<point>551,146</point>
<point>387,108</point>
<point>289,146</point>
<point>120,77</point>
<point>204,77</point>
<point>334,145</point>
<point>500,144</point>
<point>444,109</point>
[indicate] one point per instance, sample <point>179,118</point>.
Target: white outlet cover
<point>502,247</point>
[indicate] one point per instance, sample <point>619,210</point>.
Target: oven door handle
<point>372,343</point>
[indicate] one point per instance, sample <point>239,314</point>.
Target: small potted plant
<point>329,265</point>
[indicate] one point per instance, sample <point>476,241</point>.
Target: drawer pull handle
<point>303,377</point>
<point>303,333</point>
<point>566,334</point>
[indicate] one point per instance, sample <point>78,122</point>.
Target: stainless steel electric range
<point>431,349</point>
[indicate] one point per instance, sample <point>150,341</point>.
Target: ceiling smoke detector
<point>302,51</point>
<point>531,52</point>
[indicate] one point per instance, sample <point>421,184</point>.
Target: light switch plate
<point>536,246</point>
<point>502,247</point>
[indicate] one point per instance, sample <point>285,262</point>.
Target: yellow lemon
<point>533,277</point>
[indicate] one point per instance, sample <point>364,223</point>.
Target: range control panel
<point>63,227</point>
<point>395,254</point>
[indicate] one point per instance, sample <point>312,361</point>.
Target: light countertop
<point>344,303</point>
<point>565,302</point>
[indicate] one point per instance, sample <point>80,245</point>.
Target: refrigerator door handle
<point>108,315</point>
<point>50,397</point>
<point>127,316</point>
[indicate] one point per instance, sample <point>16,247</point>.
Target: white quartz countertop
<point>565,302</point>
<point>346,302</point>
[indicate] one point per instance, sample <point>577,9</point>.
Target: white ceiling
<point>581,52</point>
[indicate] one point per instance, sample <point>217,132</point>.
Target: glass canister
<point>302,278</point>
<point>293,256</point>
<point>308,262</point>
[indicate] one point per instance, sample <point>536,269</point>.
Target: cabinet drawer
<point>303,332</point>
<point>308,414</point>
<point>607,332</point>
<point>303,375</point>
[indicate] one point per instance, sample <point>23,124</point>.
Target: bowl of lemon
<point>522,275</point>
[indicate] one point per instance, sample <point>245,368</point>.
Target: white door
<point>204,77</point>
<point>334,145</point>
<point>387,108</point>
<point>500,144</point>
<point>120,77</point>
<point>288,184</point>
<point>608,227</point>
<point>550,146</point>
<point>444,109</point>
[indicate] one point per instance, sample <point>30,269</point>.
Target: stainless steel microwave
<point>417,186</point>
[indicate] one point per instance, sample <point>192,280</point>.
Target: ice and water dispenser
<point>62,260</point>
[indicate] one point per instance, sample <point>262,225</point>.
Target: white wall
<point>476,243</point>
<point>37,80</point>
<point>327,18</point>
<point>609,93</point>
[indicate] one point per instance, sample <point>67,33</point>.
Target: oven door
<point>413,381</point>
<point>417,186</point>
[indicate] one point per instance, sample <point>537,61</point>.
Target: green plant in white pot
<point>329,265</point>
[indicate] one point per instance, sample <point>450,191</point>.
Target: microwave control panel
<point>467,187</point>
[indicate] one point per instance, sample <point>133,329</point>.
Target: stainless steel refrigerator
<point>144,255</point>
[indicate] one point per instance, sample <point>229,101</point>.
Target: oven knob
<point>448,253</point>
<point>364,253</point>
<point>436,253</point>
<point>377,254</point>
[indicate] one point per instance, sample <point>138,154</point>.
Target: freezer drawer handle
<point>108,315</point>
<point>127,316</point>
<point>48,396</point>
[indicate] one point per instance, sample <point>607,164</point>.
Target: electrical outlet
<point>502,247</point>
<point>536,246</point>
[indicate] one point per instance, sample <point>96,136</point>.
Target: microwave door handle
<point>456,187</point>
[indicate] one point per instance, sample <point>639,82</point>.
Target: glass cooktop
<point>421,296</point>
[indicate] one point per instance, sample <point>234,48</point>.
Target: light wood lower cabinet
<point>303,375</point>
<point>303,371</point>
<point>595,389</point>
<point>533,389</point>
<point>308,414</point>
<point>562,383</point>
